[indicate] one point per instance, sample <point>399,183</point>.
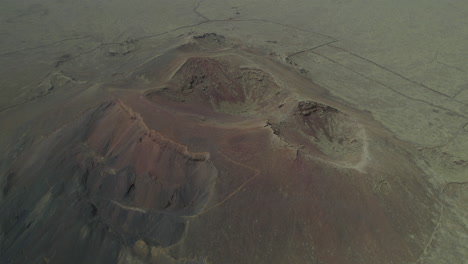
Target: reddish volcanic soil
<point>218,157</point>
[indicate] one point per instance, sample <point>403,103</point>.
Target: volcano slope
<point>221,156</point>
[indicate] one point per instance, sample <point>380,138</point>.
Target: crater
<point>207,83</point>
<point>212,86</point>
<point>325,133</point>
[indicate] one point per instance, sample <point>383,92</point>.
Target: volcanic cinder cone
<point>217,156</point>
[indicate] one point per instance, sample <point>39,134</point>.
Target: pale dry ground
<point>406,62</point>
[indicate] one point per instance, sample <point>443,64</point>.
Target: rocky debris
<point>123,48</point>
<point>195,81</point>
<point>212,37</point>
<point>276,130</point>
<point>59,79</point>
<point>54,81</point>
<point>291,62</point>
<point>141,248</point>
<point>64,58</point>
<point>306,108</point>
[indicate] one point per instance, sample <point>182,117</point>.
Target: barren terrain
<point>222,132</point>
